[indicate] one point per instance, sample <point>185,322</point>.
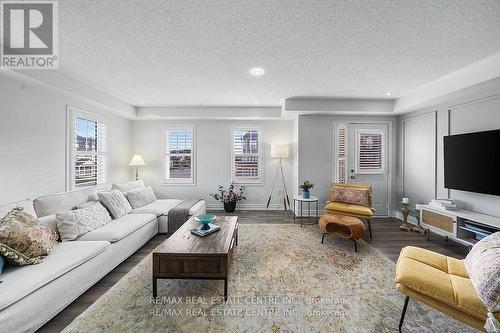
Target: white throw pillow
<point>140,198</point>
<point>115,202</point>
<point>75,223</point>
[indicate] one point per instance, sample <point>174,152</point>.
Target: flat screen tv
<point>472,162</point>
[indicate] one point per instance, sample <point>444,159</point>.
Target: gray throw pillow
<point>74,223</point>
<point>115,202</point>
<point>141,198</point>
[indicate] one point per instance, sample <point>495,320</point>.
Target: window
<point>88,155</point>
<point>179,157</point>
<point>246,156</point>
<point>341,154</point>
<point>370,152</point>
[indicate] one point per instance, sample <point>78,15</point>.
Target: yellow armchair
<point>357,202</point>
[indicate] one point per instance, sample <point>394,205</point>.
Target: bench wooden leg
<point>401,321</point>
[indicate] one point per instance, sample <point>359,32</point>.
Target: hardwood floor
<point>387,239</point>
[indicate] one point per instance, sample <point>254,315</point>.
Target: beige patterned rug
<point>283,280</point>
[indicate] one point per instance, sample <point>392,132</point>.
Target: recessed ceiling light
<point>257,71</point>
<point>142,102</point>
<point>388,93</point>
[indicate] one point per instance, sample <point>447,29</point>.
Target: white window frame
<point>359,132</point>
<point>71,114</point>
<point>180,181</point>
<point>259,181</point>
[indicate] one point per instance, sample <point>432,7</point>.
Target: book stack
<point>443,203</point>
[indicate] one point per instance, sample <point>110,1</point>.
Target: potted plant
<point>305,189</point>
<point>229,198</point>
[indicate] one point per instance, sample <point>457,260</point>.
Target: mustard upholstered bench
<point>440,282</point>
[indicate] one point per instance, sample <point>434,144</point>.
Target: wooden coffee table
<point>187,256</point>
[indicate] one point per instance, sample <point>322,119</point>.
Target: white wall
<point>316,149</point>
<point>33,140</point>
<point>213,156</point>
<point>473,109</point>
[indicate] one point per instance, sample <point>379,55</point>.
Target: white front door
<point>368,161</point>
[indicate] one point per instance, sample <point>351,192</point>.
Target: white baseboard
<point>244,206</point>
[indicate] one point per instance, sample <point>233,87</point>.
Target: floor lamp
<point>280,152</point>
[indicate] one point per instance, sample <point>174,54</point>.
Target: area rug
<point>282,280</point>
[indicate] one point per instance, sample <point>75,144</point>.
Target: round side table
<point>300,199</point>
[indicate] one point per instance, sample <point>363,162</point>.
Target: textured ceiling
<point>199,52</point>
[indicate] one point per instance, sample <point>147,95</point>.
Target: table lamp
<point>137,161</point>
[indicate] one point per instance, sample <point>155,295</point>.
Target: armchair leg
<point>370,227</point>
<point>355,245</point>
<point>323,238</point>
<point>401,321</point>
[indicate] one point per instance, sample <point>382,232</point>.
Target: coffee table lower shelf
<point>190,268</point>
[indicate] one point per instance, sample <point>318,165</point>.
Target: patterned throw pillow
<point>23,240</point>
<point>115,202</point>
<point>75,223</point>
<point>351,196</point>
<point>142,197</point>
<point>483,265</point>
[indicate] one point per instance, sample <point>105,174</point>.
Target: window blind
<point>179,155</point>
<point>370,151</point>
<point>89,152</point>
<point>246,159</point>
<point>341,153</point>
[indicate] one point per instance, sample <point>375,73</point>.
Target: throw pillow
<point>115,202</point>
<point>483,265</point>
<point>351,196</point>
<point>140,198</point>
<point>23,240</point>
<point>75,223</point>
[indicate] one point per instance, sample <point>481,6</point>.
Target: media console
<point>462,225</point>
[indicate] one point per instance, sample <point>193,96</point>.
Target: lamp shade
<point>137,160</point>
<point>282,151</point>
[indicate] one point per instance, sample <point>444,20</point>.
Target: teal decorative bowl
<point>205,219</point>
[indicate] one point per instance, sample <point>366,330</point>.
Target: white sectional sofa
<point>31,295</point>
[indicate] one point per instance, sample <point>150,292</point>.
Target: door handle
<point>352,177</point>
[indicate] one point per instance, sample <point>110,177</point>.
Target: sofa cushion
<point>141,197</point>
<point>23,240</point>
<point>158,207</point>
<point>115,202</point>
<point>19,282</point>
<point>348,209</point>
<point>51,204</point>
<point>75,223</point>
<point>119,228</point>
<point>440,278</point>
<point>129,186</point>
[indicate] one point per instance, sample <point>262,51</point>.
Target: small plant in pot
<point>229,197</point>
<point>305,189</point>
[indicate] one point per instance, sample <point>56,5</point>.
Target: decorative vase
<point>230,207</point>
<point>305,194</point>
